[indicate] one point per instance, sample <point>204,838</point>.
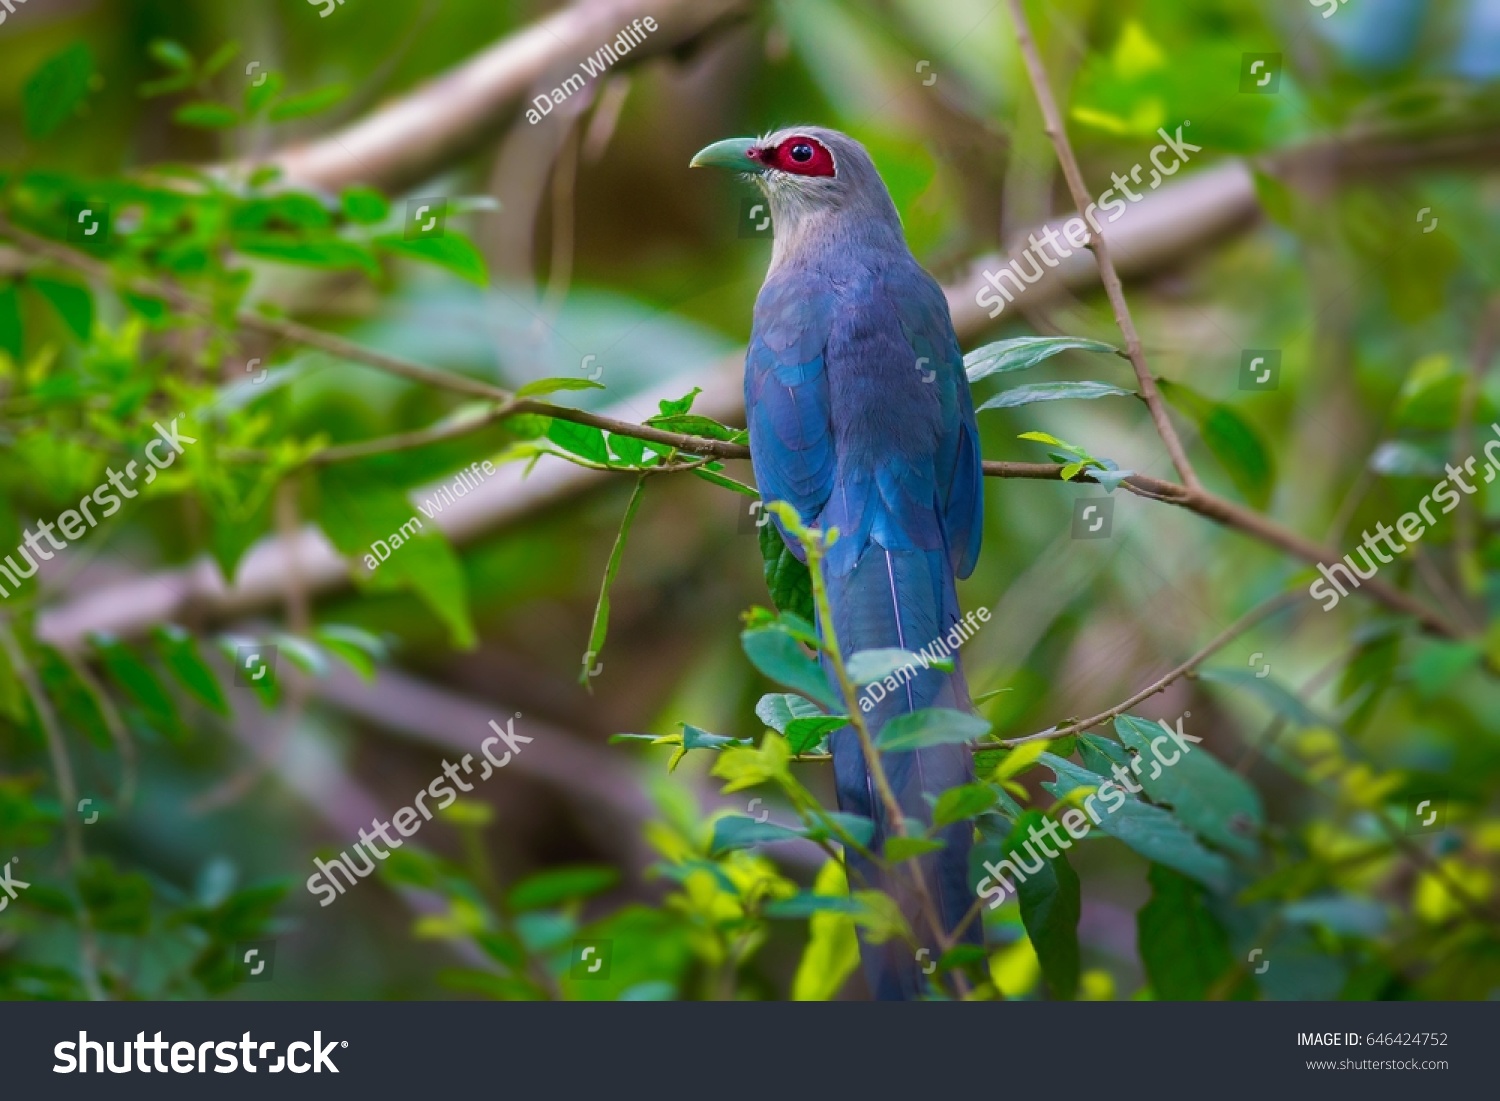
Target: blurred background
<point>1338,223</point>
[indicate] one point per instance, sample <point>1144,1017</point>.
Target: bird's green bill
<point>732,153</point>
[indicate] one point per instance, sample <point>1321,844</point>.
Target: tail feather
<point>904,599</point>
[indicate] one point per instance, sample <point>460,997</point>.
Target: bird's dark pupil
<point>802,152</point>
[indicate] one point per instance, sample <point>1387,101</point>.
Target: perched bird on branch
<point>860,417</point>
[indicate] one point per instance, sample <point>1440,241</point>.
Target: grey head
<point>822,187</point>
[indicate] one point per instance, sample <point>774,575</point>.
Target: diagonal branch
<point>1223,639</point>
<point>416,135</point>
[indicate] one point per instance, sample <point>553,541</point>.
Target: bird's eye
<point>802,152</point>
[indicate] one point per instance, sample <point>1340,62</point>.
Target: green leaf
<point>356,646</point>
<point>832,952</point>
<point>1184,949</point>
<point>957,804</point>
<point>746,766</point>
<point>1022,352</point>
<point>778,709</point>
<point>1231,439</point>
<point>360,509</point>
<point>1100,753</point>
<point>207,115</point>
<point>56,90</point>
<point>321,252</point>
<point>583,440</point>
<point>543,386</point>
<point>1050,903</point>
<point>695,738</point>
<point>179,653</point>
<point>171,54</point>
<point>898,849</point>
<point>364,205</point>
<point>1211,800</point>
<point>600,627</point>
<point>301,653</point>
<point>219,58</point>
<point>930,726</point>
<point>308,103</point>
<point>671,408</point>
<point>447,250</point>
<point>804,735</point>
<point>627,449</point>
<point>805,904</point>
<point>261,95</point>
<point>561,885</point>
<point>1150,831</point>
<point>869,666</point>
<point>141,685</point>
<point>1053,391</point>
<point>73,303</point>
<point>737,831</point>
<point>780,656</point>
<point>786,577</point>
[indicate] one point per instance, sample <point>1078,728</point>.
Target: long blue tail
<point>904,599</point>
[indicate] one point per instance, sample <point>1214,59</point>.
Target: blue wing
<point>787,404</point>
<point>927,329</point>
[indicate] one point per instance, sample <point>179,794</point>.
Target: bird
<point>860,417</point>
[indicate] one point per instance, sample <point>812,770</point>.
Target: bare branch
<point>1223,639</point>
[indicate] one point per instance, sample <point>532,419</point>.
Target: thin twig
<point>1223,639</point>
<point>1108,276</point>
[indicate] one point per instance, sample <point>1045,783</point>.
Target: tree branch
<point>1223,639</point>
<point>408,140</point>
<point>1193,497</point>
